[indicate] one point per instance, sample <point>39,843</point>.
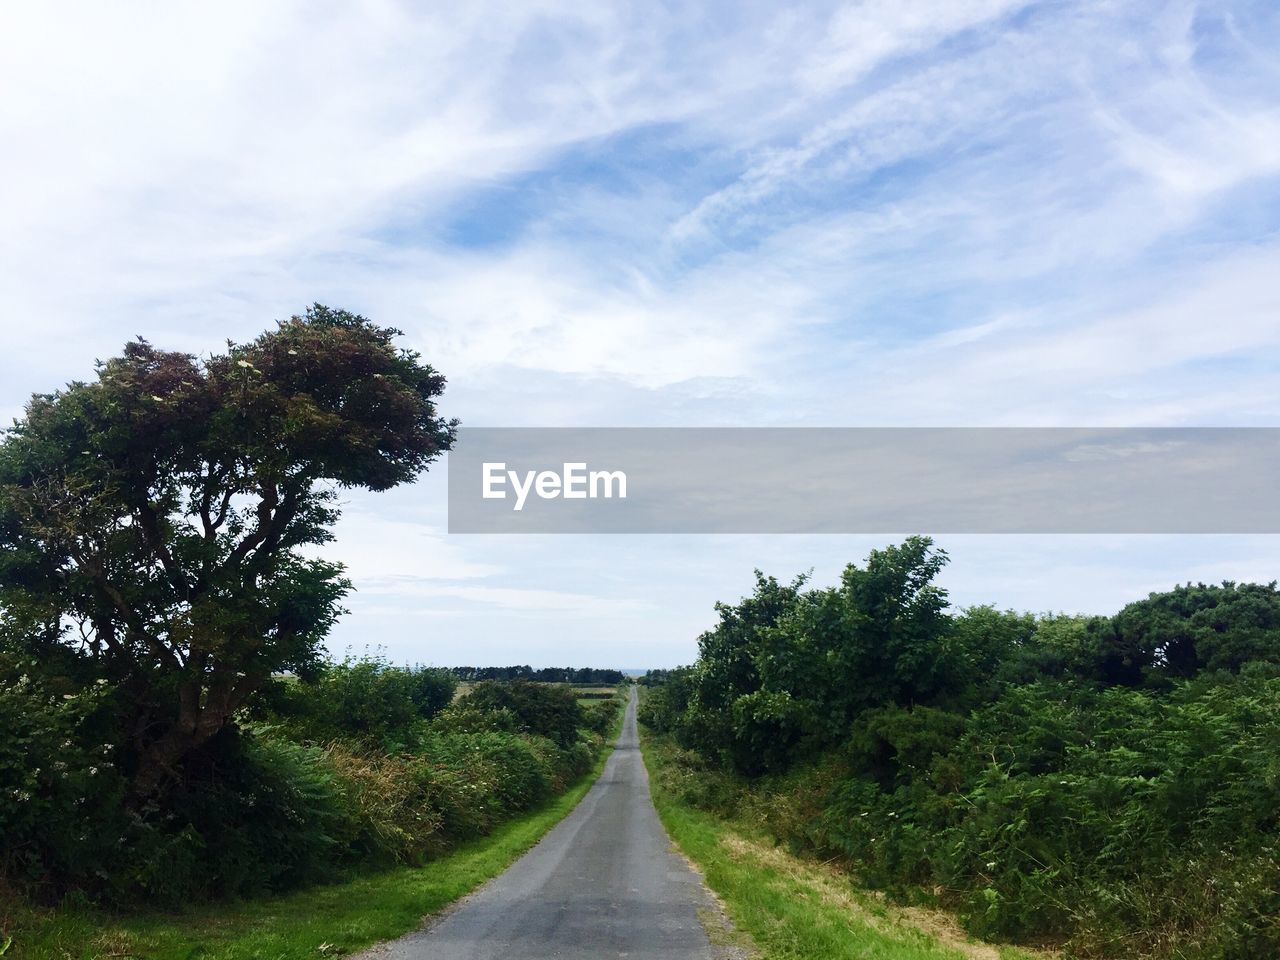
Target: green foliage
<point>163,507</point>
<point>787,907</point>
<point>579,676</point>
<point>360,766</point>
<point>785,671</point>
<point>665,703</point>
<point>599,717</point>
<point>1193,628</point>
<point>265,818</point>
<point>366,700</point>
<point>319,920</point>
<point>729,668</point>
<point>171,730</point>
<point>60,790</point>
<point>986,641</point>
<point>546,710</point>
<point>1109,782</point>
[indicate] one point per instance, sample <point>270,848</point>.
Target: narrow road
<point>603,883</point>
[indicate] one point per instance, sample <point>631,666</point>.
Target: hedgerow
<point>297,792</point>
<point>1104,783</point>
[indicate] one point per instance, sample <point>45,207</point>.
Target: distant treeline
<point>580,675</point>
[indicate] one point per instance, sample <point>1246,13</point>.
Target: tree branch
<point>149,523</point>
<point>266,512</point>
<point>135,624</point>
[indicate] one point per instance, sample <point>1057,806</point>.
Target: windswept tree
<point>159,522</point>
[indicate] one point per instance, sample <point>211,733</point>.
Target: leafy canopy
<point>154,519</point>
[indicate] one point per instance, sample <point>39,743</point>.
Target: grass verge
<point>798,909</point>
<point>316,922</point>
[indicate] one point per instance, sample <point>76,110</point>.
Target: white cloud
<point>381,548</point>
<point>863,35</point>
<point>530,600</point>
<point>869,212</point>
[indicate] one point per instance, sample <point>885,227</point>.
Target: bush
<point>599,717</point>
<point>60,790</point>
<point>388,775</point>
<point>267,817</point>
<point>545,710</point>
<point>1105,782</point>
<point>366,700</point>
<point>664,704</point>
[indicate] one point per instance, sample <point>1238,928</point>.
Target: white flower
<point>243,363</point>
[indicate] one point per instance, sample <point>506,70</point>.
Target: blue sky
<point>973,212</point>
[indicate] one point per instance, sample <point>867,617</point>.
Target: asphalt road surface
<point>605,882</point>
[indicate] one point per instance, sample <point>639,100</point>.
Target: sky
<point>883,213</point>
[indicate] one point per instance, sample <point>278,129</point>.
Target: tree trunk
<point>201,716</point>
<point>157,762</point>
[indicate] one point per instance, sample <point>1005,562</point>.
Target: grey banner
<point>864,480</point>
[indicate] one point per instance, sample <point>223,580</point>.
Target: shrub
<point>254,811</point>
<point>600,716</point>
<point>545,710</point>
<point>665,703</point>
<point>60,790</point>
<point>468,716</point>
<point>1105,782</point>
<point>367,700</point>
<point>264,815</point>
